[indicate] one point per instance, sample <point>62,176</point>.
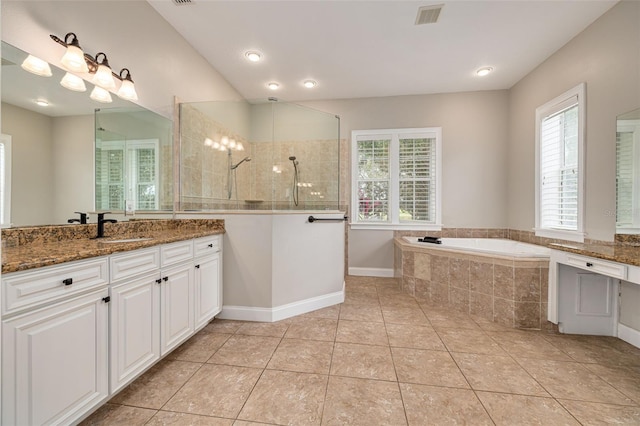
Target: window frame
<point>394,222</point>
<point>6,193</point>
<point>550,108</point>
<point>630,126</point>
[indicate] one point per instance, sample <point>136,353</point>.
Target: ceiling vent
<point>427,14</point>
<point>183,2</point>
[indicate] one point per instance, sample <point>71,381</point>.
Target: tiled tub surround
<point>509,291</point>
<point>38,246</point>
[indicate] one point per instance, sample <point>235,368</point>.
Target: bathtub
<point>486,246</point>
<point>500,280</point>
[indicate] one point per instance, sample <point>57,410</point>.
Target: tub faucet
<point>82,220</point>
<point>101,222</point>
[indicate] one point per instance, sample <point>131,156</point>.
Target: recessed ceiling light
<point>484,71</point>
<point>42,102</point>
<point>253,56</point>
<point>310,84</point>
<point>273,85</point>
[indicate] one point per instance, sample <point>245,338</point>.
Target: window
<point>396,178</point>
<point>559,166</point>
<point>5,181</point>
<point>127,171</point>
<point>627,176</point>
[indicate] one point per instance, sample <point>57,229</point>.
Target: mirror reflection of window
<point>628,176</point>
<point>127,171</point>
<point>5,181</point>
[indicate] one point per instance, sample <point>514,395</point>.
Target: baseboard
<point>629,335</point>
<point>246,313</point>
<point>371,272</point>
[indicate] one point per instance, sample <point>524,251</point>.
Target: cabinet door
<point>207,291</point>
<point>135,328</point>
<point>176,306</point>
<point>55,362</point>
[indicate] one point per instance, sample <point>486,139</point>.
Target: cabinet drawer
<point>207,245</point>
<point>176,252</point>
<point>603,267</point>
<point>44,285</point>
<point>136,262</point>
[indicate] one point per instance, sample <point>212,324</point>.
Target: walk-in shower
<point>278,138</point>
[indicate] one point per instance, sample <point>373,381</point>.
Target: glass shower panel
<point>133,160</point>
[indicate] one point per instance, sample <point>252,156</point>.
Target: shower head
<point>292,158</point>
<point>247,159</point>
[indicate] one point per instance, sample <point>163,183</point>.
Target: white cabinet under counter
<point>76,333</point>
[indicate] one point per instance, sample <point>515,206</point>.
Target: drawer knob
<point>589,264</point>
<point>67,281</point>
<point>210,245</point>
<point>165,278</point>
<point>197,266</point>
<point>159,280</point>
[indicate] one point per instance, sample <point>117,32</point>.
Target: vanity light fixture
<point>75,60</point>
<point>310,84</point>
<point>73,82</point>
<point>253,56</point>
<point>36,66</point>
<point>273,85</point>
<point>484,71</point>
<point>101,95</point>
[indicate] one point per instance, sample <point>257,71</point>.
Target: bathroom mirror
<point>50,150</point>
<point>628,173</point>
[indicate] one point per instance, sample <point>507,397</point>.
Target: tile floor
<point>382,358</point>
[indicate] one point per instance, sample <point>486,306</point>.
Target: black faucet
<point>82,220</point>
<point>101,222</point>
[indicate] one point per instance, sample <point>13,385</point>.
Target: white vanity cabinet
<point>55,343</point>
<point>208,279</point>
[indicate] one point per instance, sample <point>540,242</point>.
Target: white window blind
<point>559,166</point>
<point>396,178</point>
<point>624,179</point>
<point>5,181</point>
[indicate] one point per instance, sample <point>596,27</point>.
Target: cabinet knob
<point>165,278</point>
<point>67,281</point>
<point>210,245</point>
<point>589,264</point>
<point>197,266</point>
<point>159,280</point>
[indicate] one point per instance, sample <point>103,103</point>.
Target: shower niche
<point>270,156</point>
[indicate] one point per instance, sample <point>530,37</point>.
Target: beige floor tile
<point>246,351</point>
<point>113,414</point>
<point>591,413</point>
<point>200,347</point>
<point>154,388</point>
<point>595,349</point>
<point>360,298</point>
<point>399,301</point>
<point>488,325</point>
<point>361,313</point>
<point>469,341</point>
<point>331,312</point>
<point>269,329</point>
<point>427,368</point>
<point>364,361</point>
<point>223,326</point>
<point>445,319</point>
<point>285,397</point>
<point>434,405</point>
<point>305,356</point>
<point>400,315</point>
<point>362,402</point>
<point>497,374</point>
<point>371,333</point>
<point>624,379</point>
<point>414,336</point>
<point>167,418</point>
<point>570,380</point>
<point>528,345</point>
<point>312,329</point>
<point>215,390</point>
<point>510,410</point>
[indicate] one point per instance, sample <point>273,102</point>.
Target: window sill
<point>395,226</point>
<point>557,234</point>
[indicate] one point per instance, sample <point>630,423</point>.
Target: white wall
<point>605,56</point>
<point>132,34</point>
<point>474,170</point>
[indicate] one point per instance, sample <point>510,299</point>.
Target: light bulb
<point>232,143</point>
<point>208,142</point>
<point>73,82</point>
<point>42,102</point>
<point>309,84</point>
<point>215,145</point>
<point>73,59</point>
<point>253,56</point>
<point>127,91</point>
<point>273,86</point>
<point>103,77</point>
<point>240,147</point>
<point>36,66</point>
<point>224,141</point>
<point>100,95</point>
<point>484,71</point>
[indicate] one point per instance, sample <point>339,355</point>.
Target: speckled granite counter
<point>38,246</point>
<point>627,254</point>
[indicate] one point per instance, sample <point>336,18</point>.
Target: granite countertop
<point>44,246</point>
<point>627,254</point>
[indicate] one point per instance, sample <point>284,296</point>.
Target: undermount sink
<point>127,240</point>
